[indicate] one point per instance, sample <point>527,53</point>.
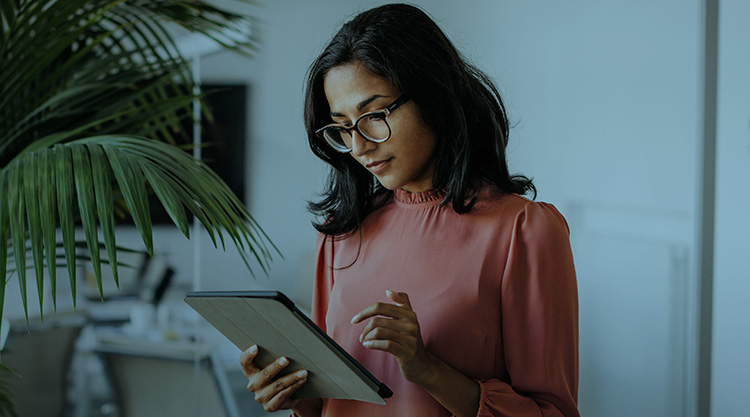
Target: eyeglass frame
<point>398,102</point>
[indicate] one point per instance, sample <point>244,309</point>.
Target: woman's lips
<point>378,167</point>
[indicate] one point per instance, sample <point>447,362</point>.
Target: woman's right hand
<point>271,392</point>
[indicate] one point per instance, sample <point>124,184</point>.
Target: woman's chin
<point>386,184</point>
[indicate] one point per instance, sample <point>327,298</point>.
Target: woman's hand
<point>394,328</point>
<point>271,392</point>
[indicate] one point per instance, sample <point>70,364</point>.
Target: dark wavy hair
<point>461,105</point>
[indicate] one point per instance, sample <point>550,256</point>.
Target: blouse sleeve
<point>539,321</point>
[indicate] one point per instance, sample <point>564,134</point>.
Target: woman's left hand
<point>394,328</point>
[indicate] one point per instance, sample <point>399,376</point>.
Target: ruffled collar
<point>424,197</point>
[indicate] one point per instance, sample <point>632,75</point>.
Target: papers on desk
<point>176,349</point>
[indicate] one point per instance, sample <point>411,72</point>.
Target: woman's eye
<point>374,117</point>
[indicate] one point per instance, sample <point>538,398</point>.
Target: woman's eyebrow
<point>361,105</point>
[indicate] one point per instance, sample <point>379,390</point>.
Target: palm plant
<point>92,93</point>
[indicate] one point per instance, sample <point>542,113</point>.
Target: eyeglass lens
<point>372,126</point>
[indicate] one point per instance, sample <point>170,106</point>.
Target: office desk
<point>174,377</point>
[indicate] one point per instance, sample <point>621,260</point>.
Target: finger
<point>260,379</point>
<point>382,309</point>
<point>381,333</point>
<point>267,393</point>
<point>400,326</point>
<point>282,399</point>
<point>391,346</point>
<point>400,298</point>
<point>247,360</point>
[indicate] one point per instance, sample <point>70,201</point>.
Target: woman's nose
<point>360,145</point>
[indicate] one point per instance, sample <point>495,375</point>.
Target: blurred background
<point>613,118</point>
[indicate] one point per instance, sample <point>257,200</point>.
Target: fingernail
<point>388,293</point>
<point>283,361</point>
<point>253,349</point>
<point>354,319</point>
<point>302,374</point>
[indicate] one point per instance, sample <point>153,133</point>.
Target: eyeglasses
<point>372,126</point>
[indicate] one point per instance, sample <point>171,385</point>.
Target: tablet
<point>272,321</point>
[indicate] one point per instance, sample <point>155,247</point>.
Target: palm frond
<point>79,80</point>
<point>91,167</point>
<point>100,67</point>
<point>59,254</point>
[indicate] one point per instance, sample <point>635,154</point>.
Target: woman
<point>433,271</point>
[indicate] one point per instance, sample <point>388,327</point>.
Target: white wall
<point>731,338</point>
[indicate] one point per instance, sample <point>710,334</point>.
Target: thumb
<point>400,298</point>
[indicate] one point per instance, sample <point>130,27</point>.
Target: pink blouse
<point>494,291</point>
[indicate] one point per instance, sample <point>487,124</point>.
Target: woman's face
<point>406,160</point>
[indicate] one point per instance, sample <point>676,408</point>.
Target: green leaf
<point>64,182</point>
<point>105,209</point>
<point>16,211</point>
<point>30,169</point>
<point>83,256</point>
<point>130,180</point>
<point>85,193</point>
<point>164,188</point>
<point>48,211</point>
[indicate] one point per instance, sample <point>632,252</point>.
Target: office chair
<point>152,385</point>
<point>41,354</point>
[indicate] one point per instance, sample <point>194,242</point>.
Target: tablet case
<point>272,321</point>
